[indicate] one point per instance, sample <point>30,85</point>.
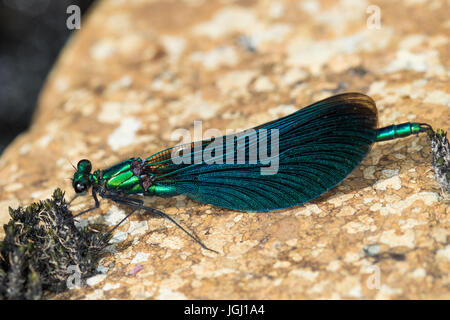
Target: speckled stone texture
<point>137,70</point>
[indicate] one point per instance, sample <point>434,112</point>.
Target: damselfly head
<point>81,182</point>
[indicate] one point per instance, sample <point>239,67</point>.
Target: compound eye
<point>84,166</point>
<point>80,187</point>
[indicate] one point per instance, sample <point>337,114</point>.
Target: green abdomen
<point>398,131</point>
<point>162,191</point>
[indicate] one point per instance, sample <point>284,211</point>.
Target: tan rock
<point>138,70</point>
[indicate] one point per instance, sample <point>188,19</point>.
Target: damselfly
<point>315,149</point>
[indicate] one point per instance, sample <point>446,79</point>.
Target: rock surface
<point>137,70</point>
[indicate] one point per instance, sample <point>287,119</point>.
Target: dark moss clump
<point>42,249</point>
<point>441,158</point>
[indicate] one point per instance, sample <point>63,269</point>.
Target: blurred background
<point>32,33</point>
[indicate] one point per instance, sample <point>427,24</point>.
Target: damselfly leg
<point>139,204</point>
<point>136,204</point>
<point>96,206</point>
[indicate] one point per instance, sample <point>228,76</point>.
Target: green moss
<point>440,147</point>
<point>41,247</point>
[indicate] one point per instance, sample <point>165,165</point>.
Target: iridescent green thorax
<point>94,178</point>
<point>124,177</point>
<point>398,131</point>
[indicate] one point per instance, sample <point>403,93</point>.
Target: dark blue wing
<point>318,146</point>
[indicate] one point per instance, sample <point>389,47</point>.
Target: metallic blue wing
<point>318,146</point>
